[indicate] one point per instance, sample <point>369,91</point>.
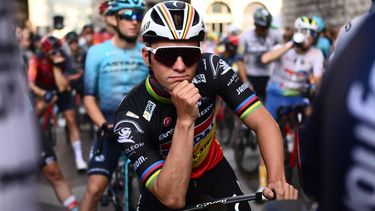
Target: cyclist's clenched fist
<point>185,97</point>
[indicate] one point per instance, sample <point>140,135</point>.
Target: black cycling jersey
<point>146,118</point>
<point>339,152</point>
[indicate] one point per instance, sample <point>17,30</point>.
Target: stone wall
<point>334,12</point>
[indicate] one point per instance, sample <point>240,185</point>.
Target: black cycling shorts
<point>260,84</point>
<point>47,155</point>
<point>105,163</point>
<point>65,101</point>
<point>217,183</point>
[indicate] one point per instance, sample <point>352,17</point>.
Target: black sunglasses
<point>311,32</point>
<point>54,52</point>
<point>131,15</point>
<point>167,55</point>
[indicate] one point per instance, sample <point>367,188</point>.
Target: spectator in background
<point>87,37</point>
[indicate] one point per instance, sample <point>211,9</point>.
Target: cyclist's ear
<point>112,20</point>
<point>146,56</point>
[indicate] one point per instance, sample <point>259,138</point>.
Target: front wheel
<point>246,153</point>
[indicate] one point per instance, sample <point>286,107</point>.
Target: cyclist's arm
<point>275,54</point>
<point>270,143</point>
<point>318,69</point>
<point>93,110</point>
<point>32,74</point>
<point>171,185</point>
<point>61,82</point>
<point>248,108</point>
<point>91,87</point>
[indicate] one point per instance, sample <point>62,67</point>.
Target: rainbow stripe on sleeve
<point>150,174</point>
<point>248,106</point>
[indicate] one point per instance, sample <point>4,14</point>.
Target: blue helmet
<point>116,5</point>
<point>319,20</point>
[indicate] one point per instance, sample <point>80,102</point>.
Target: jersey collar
<point>157,91</point>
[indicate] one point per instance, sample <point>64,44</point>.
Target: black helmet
<point>262,17</point>
<point>71,37</point>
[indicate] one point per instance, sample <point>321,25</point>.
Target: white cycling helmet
<point>172,20</point>
<point>305,22</point>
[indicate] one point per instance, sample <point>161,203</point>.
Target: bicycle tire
<point>246,153</point>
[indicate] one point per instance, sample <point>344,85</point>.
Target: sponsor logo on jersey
<point>125,132</point>
<point>234,78</point>
<point>124,135</point>
<point>166,134</point>
<point>224,66</point>
<point>361,104</point>
<point>215,70</point>
<point>209,108</point>
<point>147,114</point>
<point>167,121</point>
<point>242,88</point>
<point>131,114</point>
<point>139,162</point>
<point>348,26</point>
<point>200,78</point>
<point>130,150</point>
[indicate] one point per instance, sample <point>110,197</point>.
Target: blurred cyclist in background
<point>107,32</point>
<point>253,44</point>
<point>77,57</point>
<point>299,66</point>
<point>321,41</point>
<point>47,81</point>
<point>112,69</point>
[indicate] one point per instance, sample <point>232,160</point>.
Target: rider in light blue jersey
<point>111,72</point>
<point>112,69</point>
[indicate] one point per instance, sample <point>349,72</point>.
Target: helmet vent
<point>196,19</point>
<point>178,18</point>
<point>155,17</point>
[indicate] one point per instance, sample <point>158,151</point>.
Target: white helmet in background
<point>305,22</point>
<point>172,20</point>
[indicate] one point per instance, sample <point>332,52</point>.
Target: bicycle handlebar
<point>103,133</point>
<point>220,204</point>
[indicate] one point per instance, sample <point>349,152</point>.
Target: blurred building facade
<point>218,14</point>
<point>335,12</point>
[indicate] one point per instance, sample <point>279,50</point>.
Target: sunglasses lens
<point>131,15</point>
<point>168,56</point>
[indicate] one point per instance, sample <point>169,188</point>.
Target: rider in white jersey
<point>299,63</point>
